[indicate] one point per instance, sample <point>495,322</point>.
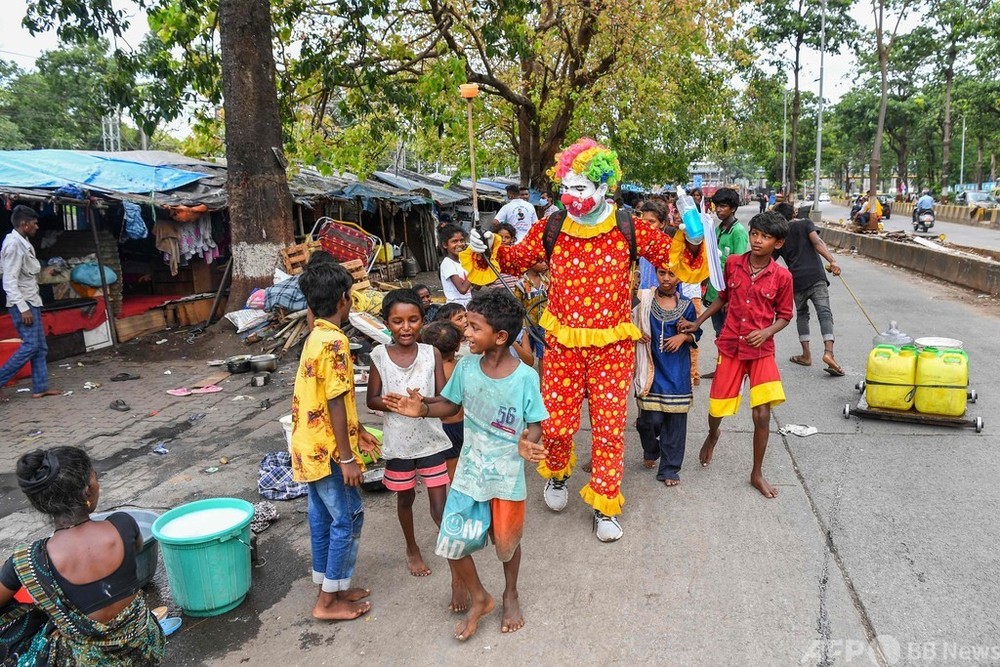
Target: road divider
<point>962,215</point>
<point>980,274</point>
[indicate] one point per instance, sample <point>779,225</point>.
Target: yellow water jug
<point>891,376</point>
<point>942,380</point>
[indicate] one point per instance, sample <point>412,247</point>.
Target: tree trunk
<point>876,161</point>
<point>901,166</point>
<point>793,149</point>
<point>979,161</point>
<point>260,204</point>
<point>949,84</point>
<point>993,167</point>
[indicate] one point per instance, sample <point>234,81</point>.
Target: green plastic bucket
<point>208,573</point>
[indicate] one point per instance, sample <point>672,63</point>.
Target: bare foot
<point>671,482</point>
<point>341,610</point>
<point>708,448</point>
<point>801,360</point>
<point>47,392</point>
<point>416,564</point>
<point>513,619</point>
<point>648,465</point>
<point>355,594</point>
<point>761,485</point>
<point>460,598</point>
<point>468,626</point>
<point>832,366</point>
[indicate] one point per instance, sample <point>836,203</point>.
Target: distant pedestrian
<point>516,212</point>
<point>24,304</point>
<point>327,441</point>
<point>548,205</point>
<point>762,200</point>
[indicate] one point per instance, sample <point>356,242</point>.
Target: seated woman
<point>88,608</point>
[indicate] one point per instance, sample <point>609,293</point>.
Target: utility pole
<point>815,213</point>
<point>961,171</point>
<point>784,147</point>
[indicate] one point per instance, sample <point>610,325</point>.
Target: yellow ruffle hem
<point>548,473</point>
<point>604,505</point>
<point>478,275</point>
<point>680,268</point>
<point>583,337</point>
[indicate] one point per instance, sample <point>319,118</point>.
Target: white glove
<point>479,241</point>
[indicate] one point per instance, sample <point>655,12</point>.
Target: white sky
<point>17,45</point>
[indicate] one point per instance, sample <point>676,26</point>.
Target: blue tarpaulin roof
<point>438,193</point>
<point>57,168</point>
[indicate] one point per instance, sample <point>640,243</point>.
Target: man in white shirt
<point>20,282</point>
<point>516,212</point>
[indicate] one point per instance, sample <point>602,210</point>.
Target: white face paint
<point>583,198</point>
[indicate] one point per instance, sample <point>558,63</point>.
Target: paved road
<point>881,529</point>
<point>966,235</point>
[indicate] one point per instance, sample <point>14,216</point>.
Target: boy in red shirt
<point>760,296</point>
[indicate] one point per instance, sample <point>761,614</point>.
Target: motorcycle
<point>923,220</point>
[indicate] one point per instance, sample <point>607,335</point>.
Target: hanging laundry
<point>135,226</point>
<point>168,237</point>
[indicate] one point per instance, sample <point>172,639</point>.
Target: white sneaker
<point>556,494</point>
<point>607,527</point>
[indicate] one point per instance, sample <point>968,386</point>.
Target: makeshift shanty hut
<point>156,226</point>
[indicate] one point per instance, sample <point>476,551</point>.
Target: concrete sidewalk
<point>880,529</point>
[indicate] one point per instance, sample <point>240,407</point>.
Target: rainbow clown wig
<point>588,158</point>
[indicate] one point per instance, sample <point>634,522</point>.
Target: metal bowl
<point>264,362</point>
<point>238,364</point>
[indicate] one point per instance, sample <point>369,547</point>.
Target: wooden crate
<point>295,256</point>
<point>358,273</point>
<point>383,272</point>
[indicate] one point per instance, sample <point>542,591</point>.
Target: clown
<point>588,323</point>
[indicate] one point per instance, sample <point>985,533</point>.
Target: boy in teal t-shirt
<point>503,406</point>
<point>733,240</point>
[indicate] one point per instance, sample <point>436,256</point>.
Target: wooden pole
<point>472,166</point>
<point>109,311</point>
<point>469,92</point>
<point>385,240</point>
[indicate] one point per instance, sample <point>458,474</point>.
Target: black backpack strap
<point>626,225</point>
<point>553,225</point>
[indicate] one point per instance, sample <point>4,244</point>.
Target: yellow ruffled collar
<point>573,228</point>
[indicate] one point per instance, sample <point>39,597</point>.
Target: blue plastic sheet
<point>59,168</point>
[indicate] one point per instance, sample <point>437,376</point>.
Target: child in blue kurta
<point>663,375</point>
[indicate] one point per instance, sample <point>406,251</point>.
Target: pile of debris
<point>275,317</point>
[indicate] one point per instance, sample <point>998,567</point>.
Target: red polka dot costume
<point>591,337</point>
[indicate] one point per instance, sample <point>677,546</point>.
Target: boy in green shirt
<point>733,240</point>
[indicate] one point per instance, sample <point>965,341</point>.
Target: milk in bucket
<point>203,523</point>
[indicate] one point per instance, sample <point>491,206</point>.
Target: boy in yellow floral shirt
<point>326,438</point>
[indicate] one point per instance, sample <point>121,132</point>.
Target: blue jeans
<point>336,516</point>
<point>33,348</point>
<point>663,436</point>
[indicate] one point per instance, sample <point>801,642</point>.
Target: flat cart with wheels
<point>862,409</point>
